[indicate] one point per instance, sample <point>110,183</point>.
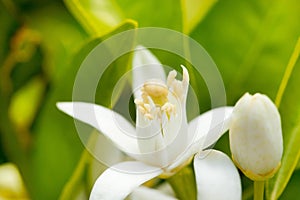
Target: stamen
<point>149,116</point>
<point>142,110</point>
<point>147,107</point>
<point>154,102</point>
<point>169,109</point>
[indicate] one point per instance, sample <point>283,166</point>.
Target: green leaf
<point>250,41</point>
<point>56,148</point>
<point>193,12</point>
<point>292,189</point>
<point>298,165</point>
<point>10,148</point>
<point>288,102</point>
<point>76,182</point>
<point>59,43</point>
<point>8,26</point>
<point>107,82</point>
<point>97,17</point>
<point>153,13</point>
<point>26,101</point>
<point>118,68</point>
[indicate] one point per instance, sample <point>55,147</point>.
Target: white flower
<point>256,136</point>
<point>216,176</point>
<point>11,183</point>
<point>163,141</point>
<point>216,179</point>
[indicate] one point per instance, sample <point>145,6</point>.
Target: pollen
<point>154,101</point>
<point>156,91</point>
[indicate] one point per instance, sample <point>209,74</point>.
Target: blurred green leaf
<point>298,165</point>
<point>26,57</point>
<point>10,141</point>
<point>8,26</point>
<point>118,68</point>
<point>26,101</point>
<point>292,189</point>
<point>77,181</point>
<point>59,43</point>
<point>97,17</point>
<point>288,102</point>
<point>250,41</point>
<point>154,13</point>
<point>193,11</point>
<point>55,150</point>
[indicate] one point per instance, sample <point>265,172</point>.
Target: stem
<point>259,190</point>
<point>77,179</point>
<point>184,184</point>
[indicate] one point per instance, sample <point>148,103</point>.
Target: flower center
<point>155,102</point>
<point>157,92</point>
<point>160,101</point>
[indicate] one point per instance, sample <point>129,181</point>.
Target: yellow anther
<point>138,102</point>
<point>169,109</point>
<point>149,116</point>
<point>144,96</point>
<point>142,109</point>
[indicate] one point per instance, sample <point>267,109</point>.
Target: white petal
<point>149,134</point>
<point>150,141</point>
<point>176,130</point>
<point>207,128</point>
<point>216,176</point>
<point>149,194</point>
<point>145,66</point>
<point>105,154</point>
<point>121,179</point>
<point>108,122</point>
<point>203,131</point>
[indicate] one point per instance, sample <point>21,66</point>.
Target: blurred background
<point>42,44</point>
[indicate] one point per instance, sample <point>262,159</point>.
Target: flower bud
<point>256,136</point>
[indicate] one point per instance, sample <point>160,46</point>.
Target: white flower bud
<point>256,136</point>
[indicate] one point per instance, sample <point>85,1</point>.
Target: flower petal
<point>145,66</point>
<point>207,128</point>
<point>216,176</point>
<point>105,154</point>
<point>203,131</point>
<point>121,179</point>
<point>146,193</point>
<point>108,122</point>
